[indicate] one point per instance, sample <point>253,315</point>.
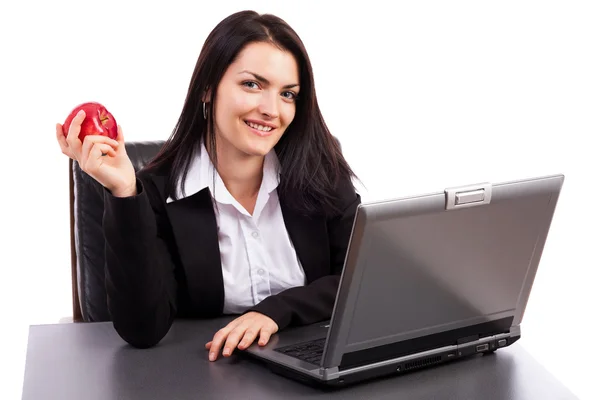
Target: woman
<point>248,207</point>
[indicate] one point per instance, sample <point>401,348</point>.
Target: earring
<point>204,109</point>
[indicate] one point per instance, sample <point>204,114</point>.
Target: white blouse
<point>257,255</point>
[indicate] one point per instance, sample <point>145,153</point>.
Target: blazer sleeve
<point>140,279</point>
<point>314,302</point>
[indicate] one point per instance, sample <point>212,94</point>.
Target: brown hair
<point>312,164</point>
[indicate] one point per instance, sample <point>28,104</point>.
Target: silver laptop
<point>427,280</point>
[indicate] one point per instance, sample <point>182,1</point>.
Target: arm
<point>140,280</point>
<point>314,302</point>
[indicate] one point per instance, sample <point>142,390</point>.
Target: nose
<point>269,106</point>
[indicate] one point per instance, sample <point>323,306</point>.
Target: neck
<point>241,173</point>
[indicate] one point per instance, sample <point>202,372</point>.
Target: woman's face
<point>255,100</point>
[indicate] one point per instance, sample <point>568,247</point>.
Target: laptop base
<point>386,370</point>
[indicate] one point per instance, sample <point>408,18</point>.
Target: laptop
<point>427,280</point>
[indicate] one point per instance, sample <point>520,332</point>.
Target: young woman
<point>246,210</point>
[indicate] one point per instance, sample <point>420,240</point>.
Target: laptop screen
<point>439,271</point>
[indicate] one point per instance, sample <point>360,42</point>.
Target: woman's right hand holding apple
<point>101,157</point>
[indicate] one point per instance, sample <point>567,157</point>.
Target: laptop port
<point>483,347</point>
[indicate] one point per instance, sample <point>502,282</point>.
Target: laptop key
<point>311,352</point>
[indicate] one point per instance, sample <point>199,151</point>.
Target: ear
<point>206,95</point>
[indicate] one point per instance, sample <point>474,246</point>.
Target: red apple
<point>98,121</point>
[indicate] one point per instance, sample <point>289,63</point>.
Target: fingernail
<point>212,356</point>
<point>226,352</point>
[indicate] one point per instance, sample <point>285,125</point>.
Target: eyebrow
<point>265,81</point>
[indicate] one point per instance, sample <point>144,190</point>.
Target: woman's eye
<point>250,84</point>
<point>289,95</point>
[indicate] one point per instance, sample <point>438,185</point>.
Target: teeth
<point>259,127</point>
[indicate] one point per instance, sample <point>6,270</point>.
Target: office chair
<point>87,237</point>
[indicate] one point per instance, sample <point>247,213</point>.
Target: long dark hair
<point>312,164</point>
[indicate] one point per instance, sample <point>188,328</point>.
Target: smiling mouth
<point>258,127</point>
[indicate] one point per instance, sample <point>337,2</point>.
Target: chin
<point>258,151</point>
<point>258,147</point>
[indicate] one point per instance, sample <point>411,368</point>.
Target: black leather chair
<point>87,237</point>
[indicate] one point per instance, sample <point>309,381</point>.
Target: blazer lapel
<point>195,229</point>
<point>309,236</point>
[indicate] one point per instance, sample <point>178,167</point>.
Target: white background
<point>423,95</point>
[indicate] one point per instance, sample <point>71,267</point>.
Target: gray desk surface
<point>90,361</point>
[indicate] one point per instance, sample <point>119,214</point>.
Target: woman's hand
<point>102,158</point>
<point>241,333</point>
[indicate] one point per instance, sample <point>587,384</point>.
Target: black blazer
<point>163,261</point>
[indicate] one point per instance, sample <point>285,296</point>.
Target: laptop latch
<point>468,196</point>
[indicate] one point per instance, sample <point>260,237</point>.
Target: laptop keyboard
<point>310,352</point>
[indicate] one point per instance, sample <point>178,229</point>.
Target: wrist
<point>127,190</point>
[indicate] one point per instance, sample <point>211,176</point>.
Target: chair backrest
<point>87,237</point>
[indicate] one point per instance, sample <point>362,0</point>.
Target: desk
<point>90,361</point>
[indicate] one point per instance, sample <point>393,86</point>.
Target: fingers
<point>94,159</point>
<point>90,140</point>
<point>234,337</point>
<point>120,138</point>
<point>73,133</point>
<point>265,335</point>
<point>62,141</point>
<point>90,147</point>
<point>217,343</point>
<point>59,132</point>
<point>75,127</point>
<point>248,338</point>
<point>228,338</point>
<point>241,333</point>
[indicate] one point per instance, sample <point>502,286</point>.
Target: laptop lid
<point>428,271</point>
